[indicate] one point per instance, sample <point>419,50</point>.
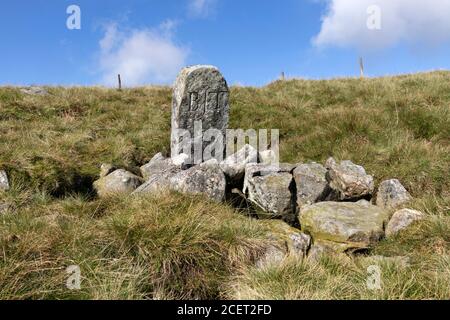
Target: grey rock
<point>260,169</point>
<point>4,182</point>
<point>157,183</point>
<point>206,178</point>
<point>119,181</point>
<point>284,240</point>
<point>322,248</point>
<point>105,169</point>
<point>200,94</point>
<point>311,183</point>
<point>355,225</point>
<point>392,194</point>
<point>234,165</point>
<point>159,165</point>
<point>348,180</point>
<point>270,188</point>
<point>401,220</point>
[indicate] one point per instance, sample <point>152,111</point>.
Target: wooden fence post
<point>361,67</point>
<point>120,82</point>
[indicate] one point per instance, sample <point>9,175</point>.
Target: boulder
<point>392,195</point>
<point>260,169</point>
<point>159,165</point>
<point>355,224</point>
<point>105,169</point>
<point>271,189</point>
<point>119,181</point>
<point>206,178</point>
<point>322,248</point>
<point>401,220</point>
<point>157,183</point>
<point>284,240</point>
<point>311,183</point>
<point>234,165</point>
<point>4,182</point>
<point>348,180</point>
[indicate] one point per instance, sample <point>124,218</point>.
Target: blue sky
<point>251,41</point>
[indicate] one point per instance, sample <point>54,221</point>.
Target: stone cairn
<point>310,208</point>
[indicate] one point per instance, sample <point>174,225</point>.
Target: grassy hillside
<point>176,246</point>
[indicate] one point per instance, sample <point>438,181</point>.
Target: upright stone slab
<point>200,95</point>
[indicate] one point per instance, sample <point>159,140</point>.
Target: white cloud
<point>415,22</point>
<point>201,8</point>
<point>144,56</point>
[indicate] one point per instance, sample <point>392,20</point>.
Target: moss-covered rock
<point>357,225</point>
<point>284,240</point>
<point>120,181</point>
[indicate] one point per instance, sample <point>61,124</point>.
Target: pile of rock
<point>329,205</point>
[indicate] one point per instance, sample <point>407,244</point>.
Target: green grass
<point>175,246</point>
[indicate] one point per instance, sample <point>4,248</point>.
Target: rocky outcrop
<point>119,181</point>
<point>348,180</point>
<point>392,194</point>
<point>401,220</point>
<point>311,183</point>
<point>357,225</point>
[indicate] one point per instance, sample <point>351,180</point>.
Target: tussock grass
<point>168,247</point>
<point>175,246</point>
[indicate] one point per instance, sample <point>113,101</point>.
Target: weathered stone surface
<point>357,225</point>
<point>119,181</point>
<point>260,169</point>
<point>348,180</point>
<point>157,183</point>
<point>105,169</point>
<point>401,220</point>
<point>160,165</point>
<point>392,194</point>
<point>311,183</point>
<point>206,178</point>
<point>285,240</point>
<point>322,248</point>
<point>200,94</point>
<point>234,165</point>
<point>4,182</point>
<point>271,189</point>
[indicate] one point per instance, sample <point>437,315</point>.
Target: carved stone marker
<point>200,96</point>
